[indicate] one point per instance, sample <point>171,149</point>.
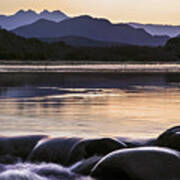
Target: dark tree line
<point>14,47</point>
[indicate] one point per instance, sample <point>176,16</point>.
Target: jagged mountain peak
<point>20,12</point>
<point>88,19</point>
<point>44,12</point>
<point>55,12</point>
<point>23,12</point>
<point>25,17</point>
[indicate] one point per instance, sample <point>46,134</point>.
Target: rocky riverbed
<point>40,157</point>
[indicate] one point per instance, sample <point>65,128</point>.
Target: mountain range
<point>22,18</point>
<point>77,41</point>
<point>14,47</point>
<point>85,30</point>
<point>92,28</point>
<point>169,30</point>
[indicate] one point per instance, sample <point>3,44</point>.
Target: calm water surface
<point>89,104</point>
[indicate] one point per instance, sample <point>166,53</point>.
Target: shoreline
<point>101,68</point>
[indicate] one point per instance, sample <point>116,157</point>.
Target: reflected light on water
<point>92,112</point>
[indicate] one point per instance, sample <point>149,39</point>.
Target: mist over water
<point>89,104</point>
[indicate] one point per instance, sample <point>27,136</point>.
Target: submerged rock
<point>144,163</point>
<point>170,138</point>
<point>93,147</point>
<point>54,150</point>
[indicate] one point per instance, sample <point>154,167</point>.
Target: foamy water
<point>41,171</point>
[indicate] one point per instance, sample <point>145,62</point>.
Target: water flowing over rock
<point>38,172</point>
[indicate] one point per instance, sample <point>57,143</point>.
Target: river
<point>135,105</point>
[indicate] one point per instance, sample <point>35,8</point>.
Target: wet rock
<point>93,147</point>
<point>18,146</point>
<point>132,143</point>
<point>84,167</point>
<point>8,159</point>
<point>54,150</point>
<point>170,138</point>
<point>144,163</point>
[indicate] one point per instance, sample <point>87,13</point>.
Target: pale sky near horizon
<point>143,11</point>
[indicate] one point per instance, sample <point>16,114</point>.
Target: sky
<point>143,11</point>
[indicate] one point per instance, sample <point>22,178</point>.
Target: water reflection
<point>90,105</point>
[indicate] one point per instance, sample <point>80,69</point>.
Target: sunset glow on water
<point>139,108</point>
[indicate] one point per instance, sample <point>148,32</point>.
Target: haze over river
<point>136,105</point>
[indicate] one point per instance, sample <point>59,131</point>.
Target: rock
<point>170,138</point>
<point>93,147</point>
<point>144,163</point>
<point>18,146</point>
<point>131,143</point>
<point>54,150</point>
<point>84,167</point>
<point>8,159</point>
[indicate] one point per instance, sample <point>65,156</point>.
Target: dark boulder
<point>132,143</point>
<point>8,159</point>
<point>170,138</point>
<point>93,147</point>
<point>19,146</point>
<point>53,150</point>
<point>145,163</point>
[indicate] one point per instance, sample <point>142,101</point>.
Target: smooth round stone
<point>144,163</point>
<point>84,167</point>
<point>170,138</point>
<point>93,147</point>
<point>53,150</point>
<point>19,146</point>
<point>132,143</point>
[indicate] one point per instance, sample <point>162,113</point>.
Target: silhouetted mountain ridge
<point>22,18</point>
<point>92,28</point>
<point>82,42</point>
<point>157,29</point>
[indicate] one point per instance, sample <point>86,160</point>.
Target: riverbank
<point>91,67</point>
